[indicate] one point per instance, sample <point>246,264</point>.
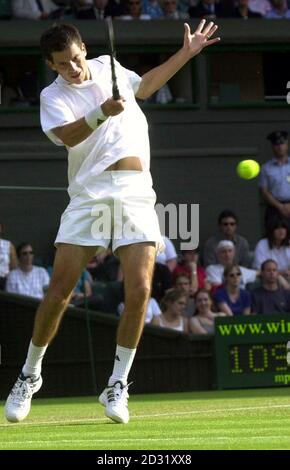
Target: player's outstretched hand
<point>113,107</point>
<point>202,37</point>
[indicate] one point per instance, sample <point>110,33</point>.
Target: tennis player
<point>111,195</point>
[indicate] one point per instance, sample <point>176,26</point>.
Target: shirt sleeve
<point>263,180</point>
<point>260,255</point>
<point>54,112</point>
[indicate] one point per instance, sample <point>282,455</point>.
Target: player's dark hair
<point>58,38</point>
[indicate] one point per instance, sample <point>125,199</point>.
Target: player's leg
<point>137,263</point>
<point>69,263</point>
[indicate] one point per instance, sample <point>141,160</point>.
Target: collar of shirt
<point>275,162</point>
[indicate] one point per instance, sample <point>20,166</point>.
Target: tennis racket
<point>115,89</point>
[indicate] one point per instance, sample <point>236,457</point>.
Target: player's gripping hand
<point>113,107</point>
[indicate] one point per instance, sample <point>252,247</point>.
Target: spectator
<point>242,10</point>
<point>274,180</point>
<point>8,258</point>
<point>152,8</point>
<point>169,256</point>
<point>105,267</point>
<point>275,246</point>
<point>260,6</point>
<point>225,252</point>
<point>270,297</point>
<point>172,307</point>
<point>153,310</point>
<point>171,12</point>
<point>208,9</point>
<point>162,281</point>
<point>90,10</point>
<point>36,9</point>
<point>182,284</point>
<point>133,11</point>
<point>227,224</point>
<point>27,279</point>
<point>278,11</point>
<point>190,267</point>
<point>231,299</point>
<point>203,321</point>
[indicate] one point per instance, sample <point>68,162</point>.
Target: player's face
<point>71,64</point>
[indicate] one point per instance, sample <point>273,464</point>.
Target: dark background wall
<point>195,149</point>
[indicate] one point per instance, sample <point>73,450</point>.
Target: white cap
<point>225,244</point>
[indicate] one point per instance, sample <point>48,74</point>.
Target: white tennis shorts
<point>117,207</point>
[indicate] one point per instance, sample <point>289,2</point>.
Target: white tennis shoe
<point>115,399</point>
<point>19,401</point>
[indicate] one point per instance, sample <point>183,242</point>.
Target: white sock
<point>123,362</point>
<point>32,366</point>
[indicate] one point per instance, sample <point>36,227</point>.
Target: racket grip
<point>116,93</point>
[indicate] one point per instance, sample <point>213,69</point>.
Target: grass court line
<point>156,415</point>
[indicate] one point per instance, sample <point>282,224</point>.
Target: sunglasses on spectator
<point>26,253</point>
<point>235,274</point>
<point>228,223</point>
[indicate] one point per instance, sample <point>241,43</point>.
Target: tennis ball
<point>248,169</point>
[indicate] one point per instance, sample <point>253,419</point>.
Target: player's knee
<point>139,293</point>
<point>58,293</point>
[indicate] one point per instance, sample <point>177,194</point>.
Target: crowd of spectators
<point>144,9</point>
<point>189,289</point>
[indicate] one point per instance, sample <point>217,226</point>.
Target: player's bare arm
<point>193,44</point>
<point>76,132</point>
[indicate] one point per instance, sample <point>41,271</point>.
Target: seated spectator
<point>275,246</point>
<point>105,267</point>
<point>227,224</point>
<point>203,321</point>
<point>231,299</point>
<point>172,306</point>
<point>208,9</point>
<point>36,9</point>
<point>133,11</point>
<point>171,12</point>
<point>279,10</point>
<point>152,8</point>
<point>91,10</point>
<point>153,310</point>
<point>182,283</point>
<point>168,257</point>
<point>271,297</point>
<point>162,281</point>
<point>225,252</point>
<point>190,267</point>
<point>242,10</point>
<point>8,258</point>
<point>27,279</point>
<point>260,6</point>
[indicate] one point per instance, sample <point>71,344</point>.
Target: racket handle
<point>116,93</point>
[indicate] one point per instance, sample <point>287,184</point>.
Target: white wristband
<point>95,118</point>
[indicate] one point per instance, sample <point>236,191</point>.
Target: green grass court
<point>243,419</point>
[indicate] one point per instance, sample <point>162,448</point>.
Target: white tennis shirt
<point>119,136</point>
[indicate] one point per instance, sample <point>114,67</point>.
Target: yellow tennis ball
<point>248,169</point>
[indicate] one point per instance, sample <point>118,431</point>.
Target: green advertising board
<point>251,351</point>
